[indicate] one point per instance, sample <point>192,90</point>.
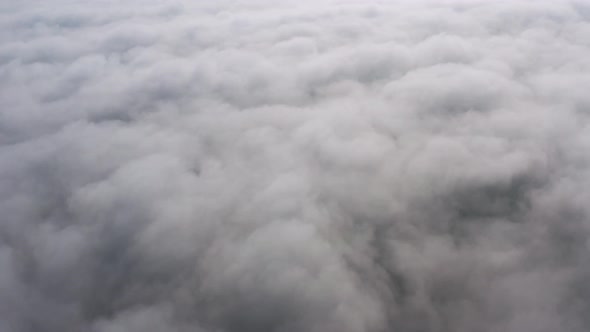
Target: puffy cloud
<point>294,166</point>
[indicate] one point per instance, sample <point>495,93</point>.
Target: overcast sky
<point>294,166</point>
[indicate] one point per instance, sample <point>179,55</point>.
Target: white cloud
<point>294,166</point>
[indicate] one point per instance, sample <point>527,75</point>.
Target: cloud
<point>294,166</point>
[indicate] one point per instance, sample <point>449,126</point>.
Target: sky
<point>289,166</point>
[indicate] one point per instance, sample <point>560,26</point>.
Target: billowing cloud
<point>289,166</point>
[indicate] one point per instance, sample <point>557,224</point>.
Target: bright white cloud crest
<point>295,166</point>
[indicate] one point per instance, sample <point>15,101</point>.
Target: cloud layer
<point>288,166</point>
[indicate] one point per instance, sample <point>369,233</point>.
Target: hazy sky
<point>294,166</point>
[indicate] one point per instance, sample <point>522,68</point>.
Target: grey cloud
<point>294,166</point>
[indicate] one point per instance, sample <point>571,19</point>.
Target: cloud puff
<point>294,166</point>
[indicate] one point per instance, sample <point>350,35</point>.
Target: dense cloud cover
<point>342,166</point>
